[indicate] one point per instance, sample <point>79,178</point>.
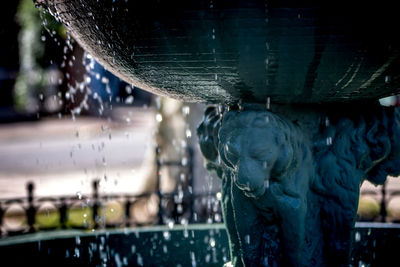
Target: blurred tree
<point>36,88</point>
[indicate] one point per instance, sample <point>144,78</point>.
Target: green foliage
<point>31,80</point>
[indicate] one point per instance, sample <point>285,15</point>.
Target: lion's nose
<point>248,176</point>
<point>242,181</point>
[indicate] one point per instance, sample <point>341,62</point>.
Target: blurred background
<point>72,135</point>
<point>80,148</point>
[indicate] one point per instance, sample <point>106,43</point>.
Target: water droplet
<point>265,164</point>
<point>357,237</point>
<point>77,253</point>
<point>212,242</point>
<point>128,89</point>
<point>240,107</point>
<point>193,258</point>
<point>129,100</point>
<point>139,260</point>
<point>167,235</point>
<point>185,110</point>
<point>266,183</point>
<point>188,133</point>
<point>159,117</point>
<point>184,161</point>
<point>247,239</point>
<point>326,121</point>
<point>329,141</point>
<point>179,208</point>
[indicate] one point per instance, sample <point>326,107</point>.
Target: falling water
<point>81,94</point>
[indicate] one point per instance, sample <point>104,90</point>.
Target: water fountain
<point>297,127</point>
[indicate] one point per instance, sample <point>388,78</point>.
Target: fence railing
<point>96,211</point>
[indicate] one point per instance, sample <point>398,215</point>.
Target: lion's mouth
<point>250,187</point>
<point>254,193</point>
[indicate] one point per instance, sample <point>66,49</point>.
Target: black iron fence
<point>97,211</point>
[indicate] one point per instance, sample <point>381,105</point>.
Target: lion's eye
<point>260,152</point>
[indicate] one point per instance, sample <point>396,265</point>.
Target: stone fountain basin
<point>219,51</point>
<point>195,245</point>
<point>375,244</point>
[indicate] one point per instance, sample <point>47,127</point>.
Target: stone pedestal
<point>291,176</point>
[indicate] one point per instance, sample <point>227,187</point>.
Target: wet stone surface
<point>227,52</point>
<point>203,245</point>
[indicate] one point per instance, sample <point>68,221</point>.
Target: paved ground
<point>63,156</point>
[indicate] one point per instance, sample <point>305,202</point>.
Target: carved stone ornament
<point>291,178</point>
